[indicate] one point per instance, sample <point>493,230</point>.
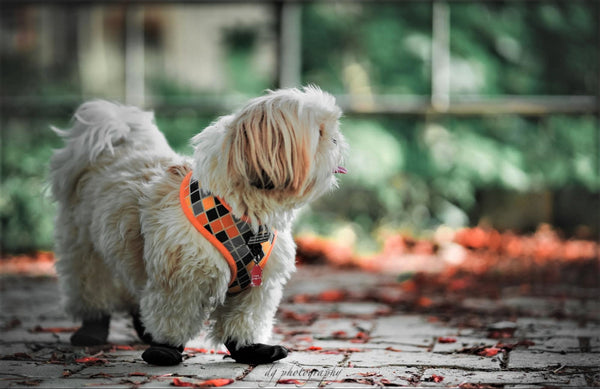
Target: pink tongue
<point>341,169</point>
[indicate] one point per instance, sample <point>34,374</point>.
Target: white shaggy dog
<point>129,235</point>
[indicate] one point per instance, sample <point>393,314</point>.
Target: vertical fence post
<point>289,60</point>
<point>440,56</point>
<point>134,55</point>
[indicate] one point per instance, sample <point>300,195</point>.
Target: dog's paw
<point>163,355</point>
<point>91,332</point>
<point>258,353</point>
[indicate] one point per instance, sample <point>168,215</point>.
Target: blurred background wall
<point>458,113</point>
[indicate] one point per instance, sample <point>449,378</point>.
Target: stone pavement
<point>340,335</point>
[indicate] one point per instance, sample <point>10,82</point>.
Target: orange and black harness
<point>242,248</point>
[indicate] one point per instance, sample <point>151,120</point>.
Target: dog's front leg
<point>246,320</point>
<point>173,312</point>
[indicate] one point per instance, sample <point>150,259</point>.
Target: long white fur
<point>123,241</point>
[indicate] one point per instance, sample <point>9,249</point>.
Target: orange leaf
<point>332,295</point>
<point>437,378</point>
<point>91,361</point>
<point>315,348</point>
<point>178,382</point>
<point>489,352</point>
<point>54,330</point>
<point>123,347</point>
<point>217,382</point>
<point>339,334</point>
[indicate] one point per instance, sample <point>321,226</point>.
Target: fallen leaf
<point>370,374</point>
<point>17,357</point>
<point>339,334</point>
<point>91,361</point>
<point>333,295</point>
<point>101,375</point>
<point>434,378</point>
<point>180,383</point>
<point>490,351</point>
<point>446,340</point>
<point>291,381</point>
<point>386,382</point>
<point>360,337</point>
<point>314,348</point>
<point>397,350</point>
<point>123,347</point>
<point>54,330</point>
<point>214,383</point>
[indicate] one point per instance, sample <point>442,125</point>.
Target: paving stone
<point>31,369</point>
<point>409,327</point>
<point>312,358</point>
<point>389,358</point>
<point>558,345</point>
<point>526,359</point>
<point>462,342</point>
<point>325,328</point>
<point>455,377</point>
<point>83,383</point>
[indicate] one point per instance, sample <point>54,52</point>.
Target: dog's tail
<point>98,127</point>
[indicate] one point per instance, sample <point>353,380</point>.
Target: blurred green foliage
<point>406,172</point>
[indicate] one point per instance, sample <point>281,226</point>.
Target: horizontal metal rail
<point>351,105</point>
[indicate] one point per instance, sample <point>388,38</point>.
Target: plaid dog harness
<point>242,248</point>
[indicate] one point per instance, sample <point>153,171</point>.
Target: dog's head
<point>285,146</point>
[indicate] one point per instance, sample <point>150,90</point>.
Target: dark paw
<point>257,353</point>
<point>163,355</point>
<point>92,332</point>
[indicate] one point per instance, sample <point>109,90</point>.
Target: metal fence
<point>289,32</point>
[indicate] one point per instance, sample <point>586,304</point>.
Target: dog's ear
<point>269,147</point>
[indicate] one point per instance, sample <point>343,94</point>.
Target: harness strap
<point>241,247</point>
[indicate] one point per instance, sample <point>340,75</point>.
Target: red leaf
<point>91,361</point>
<point>178,382</point>
<point>360,337</point>
<point>393,349</point>
<point>437,378</point>
<point>290,381</point>
<point>217,382</point>
<point>446,340</point>
<point>123,347</point>
<point>54,330</point>
<point>339,334</point>
<point>332,295</point>
<point>315,348</point>
<point>489,351</point>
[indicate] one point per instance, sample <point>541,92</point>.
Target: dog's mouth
<point>341,170</point>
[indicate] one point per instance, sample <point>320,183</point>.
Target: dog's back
<point>111,153</point>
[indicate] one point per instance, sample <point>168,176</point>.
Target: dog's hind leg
<point>90,290</point>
